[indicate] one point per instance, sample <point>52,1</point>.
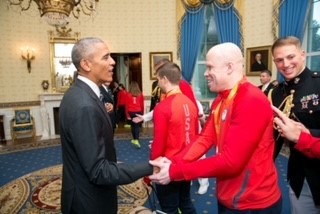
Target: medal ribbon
<point>222,112</point>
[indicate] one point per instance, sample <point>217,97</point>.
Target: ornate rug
<point>39,192</point>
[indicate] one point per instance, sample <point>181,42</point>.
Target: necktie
<point>101,96</point>
<point>110,93</point>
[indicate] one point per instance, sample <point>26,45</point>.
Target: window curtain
<point>190,19</point>
<point>191,33</point>
<point>228,23</point>
<point>293,16</point>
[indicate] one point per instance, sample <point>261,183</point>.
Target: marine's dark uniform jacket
<point>306,109</point>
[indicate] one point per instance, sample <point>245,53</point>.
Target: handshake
<point>161,167</point>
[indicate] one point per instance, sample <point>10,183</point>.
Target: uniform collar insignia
<point>296,80</point>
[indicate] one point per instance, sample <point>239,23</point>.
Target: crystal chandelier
<point>57,12</point>
<point>65,62</point>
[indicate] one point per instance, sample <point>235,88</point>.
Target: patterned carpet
<point>28,167</point>
<point>39,192</point>
<point>29,144</point>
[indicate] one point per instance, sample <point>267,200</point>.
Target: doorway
<point>128,68</point>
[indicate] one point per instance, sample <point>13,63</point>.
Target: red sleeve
<point>121,98</point>
<point>160,115</point>
<point>308,145</point>
<point>187,90</point>
<point>240,141</point>
<point>204,141</point>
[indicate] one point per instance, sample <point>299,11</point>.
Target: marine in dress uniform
<point>305,89</point>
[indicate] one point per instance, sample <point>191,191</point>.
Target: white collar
<point>91,84</point>
<point>265,86</point>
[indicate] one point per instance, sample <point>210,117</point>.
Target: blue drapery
<point>228,22</point>
<point>293,16</point>
<point>228,25</point>
<point>191,34</point>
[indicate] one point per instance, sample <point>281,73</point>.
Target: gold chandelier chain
<point>57,12</point>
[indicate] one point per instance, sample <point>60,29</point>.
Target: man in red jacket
<point>247,179</point>
<point>175,122</point>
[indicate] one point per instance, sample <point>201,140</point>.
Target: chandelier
<point>65,62</point>
<point>57,12</point>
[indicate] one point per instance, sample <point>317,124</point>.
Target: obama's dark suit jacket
<point>108,98</point>
<point>90,169</point>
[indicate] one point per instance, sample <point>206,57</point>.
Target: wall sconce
<point>28,54</point>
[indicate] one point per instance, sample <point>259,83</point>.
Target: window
<point>209,39</point>
<point>313,37</point>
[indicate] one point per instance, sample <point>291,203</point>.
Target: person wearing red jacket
<point>297,133</point>
<point>175,122</point>
<point>246,175</point>
<point>134,106</point>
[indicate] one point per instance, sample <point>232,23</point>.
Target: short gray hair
<point>84,48</point>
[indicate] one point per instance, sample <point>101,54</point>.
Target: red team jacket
<point>134,104</point>
<point>308,145</point>
<point>122,96</point>
<point>244,167</point>
<point>175,123</point>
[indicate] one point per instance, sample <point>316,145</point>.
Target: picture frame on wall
<point>258,59</point>
<point>155,57</point>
